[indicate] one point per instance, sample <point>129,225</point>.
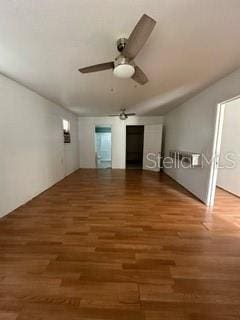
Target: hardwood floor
<point>114,244</point>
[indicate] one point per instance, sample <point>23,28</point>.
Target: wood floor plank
<point>115,244</point>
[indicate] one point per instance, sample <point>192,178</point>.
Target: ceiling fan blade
<point>130,114</point>
<point>139,36</point>
<point>113,115</point>
<point>139,76</point>
<point>97,67</point>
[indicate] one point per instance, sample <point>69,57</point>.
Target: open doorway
<point>225,177</point>
<point>103,147</point>
<point>134,147</point>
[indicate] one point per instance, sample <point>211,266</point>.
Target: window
<point>66,131</point>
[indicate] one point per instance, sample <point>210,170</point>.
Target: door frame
<point>220,109</point>
<point>65,146</point>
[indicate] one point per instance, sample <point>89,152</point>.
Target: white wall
<point>229,179</point>
<point>87,138</point>
<point>33,156</point>
<point>191,126</point>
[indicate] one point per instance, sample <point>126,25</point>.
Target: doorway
<point>103,147</point>
<point>225,169</point>
<point>134,146</point>
<point>67,140</point>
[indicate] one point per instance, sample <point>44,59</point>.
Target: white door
<point>152,147</point>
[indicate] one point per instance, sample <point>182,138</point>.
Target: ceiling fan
<point>123,115</point>
<point>124,66</point>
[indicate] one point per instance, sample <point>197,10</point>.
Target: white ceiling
<point>43,43</point>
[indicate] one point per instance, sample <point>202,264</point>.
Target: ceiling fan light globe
<point>124,71</point>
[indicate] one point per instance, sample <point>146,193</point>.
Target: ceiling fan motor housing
<point>121,60</point>
<point>123,116</point>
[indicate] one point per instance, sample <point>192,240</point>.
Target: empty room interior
<point>120,160</point>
